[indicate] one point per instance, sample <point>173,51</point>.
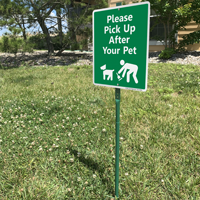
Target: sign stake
<point>117,100</point>
<point>120,57</point>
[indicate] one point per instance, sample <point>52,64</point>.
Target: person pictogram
<point>132,69</point>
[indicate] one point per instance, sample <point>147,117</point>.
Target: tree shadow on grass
<point>94,166</point>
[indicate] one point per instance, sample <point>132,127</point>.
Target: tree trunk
<point>71,27</point>
<point>168,27</point>
<point>24,29</point>
<point>62,49</point>
<point>165,34</point>
<point>59,25</point>
<point>24,35</point>
<point>73,35</point>
<point>168,32</point>
<point>47,36</point>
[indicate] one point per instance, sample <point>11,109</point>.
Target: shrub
<point>56,42</point>
<point>4,45</point>
<point>38,41</point>
<point>167,53</point>
<point>12,44</point>
<point>15,45</point>
<point>27,47</point>
<point>75,46</point>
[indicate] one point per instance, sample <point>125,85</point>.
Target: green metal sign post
<point>117,100</point>
<point>120,54</point>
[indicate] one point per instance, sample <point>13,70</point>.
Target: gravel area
<point>192,57</point>
<point>78,58</point>
<point>41,58</point>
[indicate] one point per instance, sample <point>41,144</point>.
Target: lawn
<point>57,135</point>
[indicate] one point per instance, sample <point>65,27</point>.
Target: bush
<point>188,39</point>
<point>75,46</point>
<point>38,41</point>
<point>56,42</point>
<point>12,44</point>
<point>4,45</point>
<point>167,53</point>
<point>27,47</point>
<point>15,45</point>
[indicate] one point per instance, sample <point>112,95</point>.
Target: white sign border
<point>147,53</point>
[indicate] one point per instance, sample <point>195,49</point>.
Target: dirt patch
<point>175,94</point>
<point>70,69</point>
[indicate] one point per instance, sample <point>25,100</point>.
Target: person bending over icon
<point>132,69</point>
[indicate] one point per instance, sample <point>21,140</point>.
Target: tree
<point>170,14</point>
<point>77,14</point>
<point>79,19</point>
<point>59,21</point>
<point>193,37</point>
<point>13,14</point>
<point>17,13</point>
<point>40,11</point>
<point>176,14</point>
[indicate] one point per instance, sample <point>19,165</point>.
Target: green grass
<point>57,135</point>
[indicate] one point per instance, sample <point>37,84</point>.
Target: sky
<point>3,31</point>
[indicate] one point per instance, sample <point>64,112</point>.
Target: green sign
<point>121,46</point>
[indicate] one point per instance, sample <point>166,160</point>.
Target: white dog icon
<point>107,72</point>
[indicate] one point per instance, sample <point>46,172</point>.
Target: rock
<point>180,92</point>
